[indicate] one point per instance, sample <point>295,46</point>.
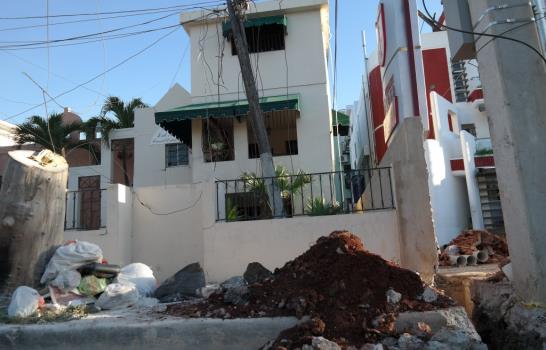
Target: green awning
<point>177,121</point>
<point>342,118</point>
<point>255,22</point>
<point>226,109</point>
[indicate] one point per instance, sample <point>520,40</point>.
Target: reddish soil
<point>472,240</point>
<point>338,284</point>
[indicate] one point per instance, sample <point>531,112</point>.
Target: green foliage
<point>287,183</point>
<point>484,152</point>
<point>231,211</point>
<point>51,133</point>
<point>319,207</point>
<point>122,116</point>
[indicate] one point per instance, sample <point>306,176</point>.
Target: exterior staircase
<point>490,200</point>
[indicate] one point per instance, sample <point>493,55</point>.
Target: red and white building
<point>412,75</point>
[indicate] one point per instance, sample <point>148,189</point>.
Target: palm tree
<point>50,133</point>
<point>122,116</point>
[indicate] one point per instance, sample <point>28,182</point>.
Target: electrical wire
<point>100,74</point>
<point>86,36</point>
<point>204,3</point>
<point>98,19</point>
<point>529,46</point>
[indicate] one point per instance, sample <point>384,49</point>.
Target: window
<point>282,132</point>
<point>83,136</point>
<point>218,140</point>
<point>263,38</point>
<point>176,154</point>
<point>470,128</point>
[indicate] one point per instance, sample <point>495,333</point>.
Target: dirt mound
<point>342,287</point>
<point>470,241</point>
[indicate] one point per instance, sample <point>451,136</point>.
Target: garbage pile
<point>78,276</point>
<point>351,296</point>
<point>474,247</point>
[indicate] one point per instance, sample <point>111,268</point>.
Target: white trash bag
<point>71,257</point>
<point>118,296</point>
<point>24,302</point>
<point>141,275</point>
<point>67,280</point>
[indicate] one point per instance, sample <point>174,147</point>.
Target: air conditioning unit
<point>345,158</point>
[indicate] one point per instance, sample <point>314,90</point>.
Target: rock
<point>256,272</point>
<point>435,345</point>
<point>455,339</point>
<point>208,290</point>
<point>236,295</point>
<point>390,342</point>
<point>183,283</point>
<point>393,296</point>
<point>372,347</point>
<point>320,343</point>
<point>410,342</point>
<point>429,295</point>
<point>235,281</point>
<point>454,318</point>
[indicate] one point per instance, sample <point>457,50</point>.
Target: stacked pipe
<point>460,260</point>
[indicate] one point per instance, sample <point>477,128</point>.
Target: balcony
<point>302,194</point>
<point>85,210</point>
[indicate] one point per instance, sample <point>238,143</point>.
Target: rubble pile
<point>491,247</point>
<point>351,296</point>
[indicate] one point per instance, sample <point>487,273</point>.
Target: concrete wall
<point>115,239</point>
<point>230,247</point>
<point>406,154</point>
<point>167,227</point>
<point>448,194</point>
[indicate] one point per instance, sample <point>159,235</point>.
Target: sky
<point>25,72</point>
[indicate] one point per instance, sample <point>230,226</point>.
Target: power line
<point>98,75</point>
<point>98,19</point>
<point>483,34</point>
<point>109,69</point>
<point>90,41</point>
<point>25,44</point>
<point>204,3</point>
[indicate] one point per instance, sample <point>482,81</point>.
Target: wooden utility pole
<point>32,212</point>
<point>256,115</point>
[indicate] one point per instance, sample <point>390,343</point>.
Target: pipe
<point>471,260</point>
<point>457,260</point>
<point>482,255</point>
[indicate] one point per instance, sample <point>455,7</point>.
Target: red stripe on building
<point>487,161</point>
<point>475,95</point>
<point>436,79</point>
<point>457,164</point>
<point>378,112</point>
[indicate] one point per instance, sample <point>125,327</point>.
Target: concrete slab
<point>139,330</point>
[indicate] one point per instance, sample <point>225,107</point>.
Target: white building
<point>6,134</point>
<point>179,208</point>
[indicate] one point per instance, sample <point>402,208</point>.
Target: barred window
<point>176,154</point>
<point>263,38</point>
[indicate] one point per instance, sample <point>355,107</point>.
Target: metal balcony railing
<point>85,209</point>
<point>315,194</point>
<point>484,147</point>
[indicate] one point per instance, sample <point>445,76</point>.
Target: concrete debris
<point>256,272</point>
<point>236,295</point>
<point>393,296</point>
<point>235,281</point>
<point>409,342</point>
<point>182,284</point>
<point>429,295</point>
<point>208,290</point>
<point>320,343</point>
<point>504,321</point>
